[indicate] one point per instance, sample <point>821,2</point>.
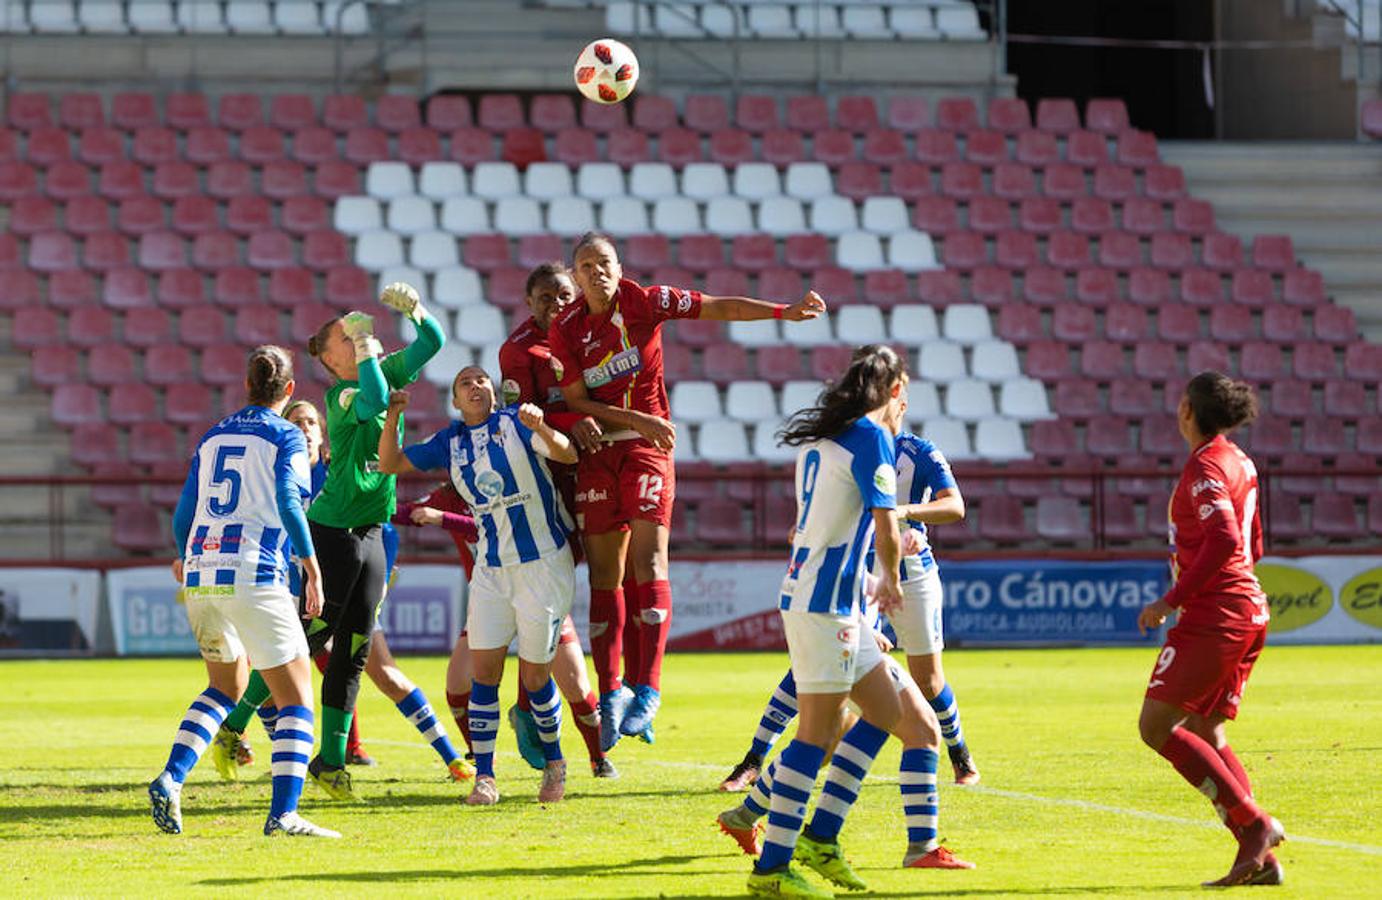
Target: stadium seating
<point>701,20</point>
<point>296,18</point>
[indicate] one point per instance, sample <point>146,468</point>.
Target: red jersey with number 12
<point>618,354</point>
<point>1216,539</point>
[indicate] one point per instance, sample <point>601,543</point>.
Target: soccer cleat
<point>603,768</point>
<point>244,753</point>
<point>224,745</point>
<point>784,881</point>
<point>336,782</point>
<point>485,792</point>
<point>963,764</point>
<point>638,719</point>
<point>613,705</point>
<point>529,740</point>
<point>356,756</point>
<point>553,782</point>
<point>294,825</point>
<point>460,769</point>
<point>648,736</point>
<point>1255,843</point>
<point>747,833</point>
<point>826,860</point>
<point>1271,872</point>
<point>745,775</point>
<point>938,858</point>
<point>165,802</point>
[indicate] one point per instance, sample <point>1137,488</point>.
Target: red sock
<point>655,620</point>
<point>587,717</point>
<point>606,634</point>
<point>320,660</point>
<point>1198,763</point>
<point>631,646</point>
<point>353,747</point>
<point>460,711</point>
<point>1231,762</point>
<point>523,702</point>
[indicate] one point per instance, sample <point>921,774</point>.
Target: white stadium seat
<point>480,325</point>
<point>457,286</point>
<point>406,274</point>
<point>728,217</point>
<point>432,251</point>
<point>817,20</point>
<point>546,181</point>
<point>885,215</point>
<point>950,436</point>
<point>959,23</point>
<point>912,251</point>
<point>756,181</point>
<point>452,358</point>
<point>493,180</point>
<point>600,181</point>
<point>721,20</point>
<point>809,333</point>
<point>676,20</point>
<point>298,18</point>
<point>781,216</point>
<point>387,180</point>
<point>696,401</point>
<point>676,217</point>
<point>799,395</point>
<point>941,361</point>
<point>923,401</point>
<point>625,17</point>
<point>102,16</point>
<point>859,251</point>
<point>356,215</point>
<point>440,180</point>
<point>966,323</point>
<point>249,17</point>
<point>53,17</point>
<point>703,180</point>
<point>201,17</point>
<point>999,439</point>
<point>152,17</point>
<point>353,19</point>
<point>860,324</point>
<point>913,323</point>
<point>723,441</point>
<point>518,216</point>
<point>765,445</point>
<point>377,250</point>
<point>761,333</point>
<point>772,22</point>
<point>994,361</point>
<point>1023,399</point>
<point>570,216</point>
<point>865,22</point>
<point>463,214</point>
<point>411,214</point>
<point>809,180</point>
<point>833,215</point>
<point>969,399</point>
<point>623,216</point>
<point>912,21</point>
<point>750,401</point>
<point>652,181</point>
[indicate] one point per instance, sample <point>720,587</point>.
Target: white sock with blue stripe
<point>848,766</point>
<point>203,719</point>
<point>292,750</point>
<point>761,793</point>
<point>546,706</point>
<point>780,711</point>
<point>418,711</point>
<point>484,725</point>
<point>797,768</point>
<point>920,803</point>
<point>948,714</point>
<point>268,715</point>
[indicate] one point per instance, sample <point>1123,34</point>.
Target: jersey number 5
<point>224,476</point>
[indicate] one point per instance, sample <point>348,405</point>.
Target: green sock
<point>335,730</point>
<point>256,692</point>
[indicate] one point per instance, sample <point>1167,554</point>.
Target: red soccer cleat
<point>939,858</point>
<point>1271,872</point>
<point>746,838</point>
<point>1255,843</point>
<point>744,775</point>
<point>965,770</point>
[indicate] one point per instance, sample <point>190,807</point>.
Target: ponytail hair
<point>864,387</point>
<point>269,372</point>
<point>1220,404</point>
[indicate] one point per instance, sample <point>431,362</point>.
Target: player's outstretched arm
<point>747,309</point>
<point>946,507</point>
<point>186,509</point>
<point>555,445</point>
<point>392,460</point>
<point>405,299</point>
<point>657,431</point>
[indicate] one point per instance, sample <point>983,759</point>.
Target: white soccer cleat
<point>294,825</point>
<point>165,803</point>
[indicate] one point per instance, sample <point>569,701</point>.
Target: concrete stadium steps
<point>1326,196</point>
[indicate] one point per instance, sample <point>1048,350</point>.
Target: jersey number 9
<point>222,474</point>
<point>810,468</point>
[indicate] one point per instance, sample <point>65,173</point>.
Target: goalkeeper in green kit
<point>346,517</point>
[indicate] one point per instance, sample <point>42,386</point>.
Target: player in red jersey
<point>607,357</point>
<point>1198,680</point>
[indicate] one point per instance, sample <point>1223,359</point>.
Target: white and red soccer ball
<point>606,71</point>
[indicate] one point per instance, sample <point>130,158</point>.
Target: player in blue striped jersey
<point>237,521</point>
<point>524,579</point>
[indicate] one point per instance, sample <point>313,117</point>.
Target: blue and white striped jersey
<point>241,511</point>
<point>498,468</point>
<point>839,481</point>
<point>922,472</point>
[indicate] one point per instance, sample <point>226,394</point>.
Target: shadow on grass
<point>638,867</point>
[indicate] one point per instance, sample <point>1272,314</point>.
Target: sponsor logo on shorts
<point>592,496</point>
<point>845,635</point>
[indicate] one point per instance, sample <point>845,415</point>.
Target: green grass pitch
<point>1071,804</point>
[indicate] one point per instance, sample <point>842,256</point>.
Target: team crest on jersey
<point>345,397</point>
<point>509,391</point>
<point>491,484</point>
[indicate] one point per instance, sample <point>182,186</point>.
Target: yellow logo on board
<point>1361,597</point>
<point>1296,597</point>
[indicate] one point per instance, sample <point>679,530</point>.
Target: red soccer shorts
<point>568,632</point>
<point>626,480</point>
<point>1205,672</point>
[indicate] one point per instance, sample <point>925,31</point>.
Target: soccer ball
<point>606,71</point>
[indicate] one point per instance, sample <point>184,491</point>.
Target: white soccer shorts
<point>530,600</point>
<point>260,621</point>
<point>919,623</point>
<point>829,653</point>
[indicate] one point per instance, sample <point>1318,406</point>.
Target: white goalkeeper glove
<point>403,298</point>
<point>359,328</point>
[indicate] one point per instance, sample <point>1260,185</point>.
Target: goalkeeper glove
<point>359,328</point>
<point>403,298</point>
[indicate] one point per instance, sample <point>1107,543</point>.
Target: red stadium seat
<point>722,522</point>
<point>202,326</point>
<point>157,442</point>
<point>884,147</point>
<point>366,145</point>
<point>1048,361</point>
<point>29,112</point>
<point>1137,149</point>
<point>66,290</point>
<point>157,145</point>
<point>81,110</point>
<point>647,251</point>
<point>1292,399</point>
<point>1231,324</point>
<point>1009,115</point>
<point>1072,323</point>
<point>314,145</point>
<point>523,147</point>
<point>52,251</point>
<point>730,147</point>
<point>506,289</point>
<point>942,287</point>
<point>628,147</point>
<point>859,181</point>
<point>1059,519</point>
<point>129,111</point>
<point>856,113</point>
<point>1041,215</point>
<point>19,288</point>
<point>753,252</point>
<point>77,404</point>
<point>908,113</point>
<point>957,114</point>
<point>990,215</point>
<point>1063,182</point>
<point>807,113</point>
<point>303,215</point>
<point>342,112</point>
<point>1335,324</point>
<point>48,146</point>
<point>576,146</point>
<point>1205,356</point>
<point>257,325</point>
<point>701,252</point>
<point>230,178</point>
<point>986,148</point>
<point>1322,436</point>
<point>1044,286</point>
<point>1102,360</point>
<point>447,112</point>
<point>290,112</point>
<point>1002,521</point>
<point>654,113</point>
<point>1201,287</point>
<point>1303,287</point>
<point>1016,250</point>
<point>700,332</point>
<point>1099,287</point>
<point>1020,323</point>
<point>322,251</point>
<point>535,249</point>
<point>1066,250</point>
<point>1156,362</point>
<point>182,111</point>
<point>1273,252</point>
<point>1261,362</point>
<point>961,180</point>
<point>147,327</point>
<point>727,282</point>
<point>705,113</point>
<point>181,289</point>
<point>1091,215</point>
<point>9,145</point>
<point>1114,183</point>
<point>1164,183</point>
<point>1149,287</point>
<point>885,288</point>
<point>306,319</point>
<point>676,146</point>
<point>111,364</point>
<point>1143,216</point>
<point>1358,485</point>
<point>190,405</point>
<point>937,216</point>
<point>1128,397</point>
<point>832,147</point>
<point>139,215</point>
<point>1036,148</point>
<point>726,363</point>
<point>1283,324</point>
<point>756,113</point>
<point>127,289</point>
<point>333,180</point>
<point>35,327</point>
<point>134,404</point>
<point>397,112</point>
<point>1178,324</point>
<point>215,250</point>
<point>1106,116</point>
<point>32,214</point>
<point>237,286</point>
<point>261,144</point>
<point>290,286</point>
<point>780,363</point>
<point>1013,181</point>
<point>828,361</point>
<point>780,284</point>
<point>284,178</point>
<point>1314,362</point>
<point>909,180</point>
<point>1334,516</point>
<point>1194,217</point>
<point>782,148</point>
<point>677,365</point>
<point>240,112</point>
<point>1058,115</point>
<point>806,252</point>
<point>964,250</point>
<point>1075,399</point>
<point>53,366</point>
<point>603,118</point>
<point>1222,251</point>
<point>249,214</point>
<point>1086,149</point>
<point>171,180</point>
<point>936,147</point>
<point>417,146</point>
<point>1171,251</point>
<point>486,252</point>
<point>1251,288</point>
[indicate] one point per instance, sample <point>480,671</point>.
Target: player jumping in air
<point>1199,677</point>
<point>238,519</point>
<point>607,357</point>
<point>525,578</point>
<point>932,497</point>
<point>846,484</point>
